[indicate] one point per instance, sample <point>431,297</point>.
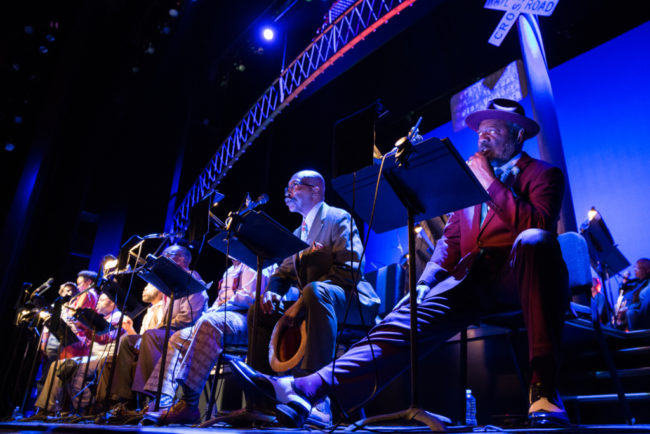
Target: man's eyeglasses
<point>293,184</point>
<point>491,131</point>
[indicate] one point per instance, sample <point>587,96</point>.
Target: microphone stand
<point>113,365</point>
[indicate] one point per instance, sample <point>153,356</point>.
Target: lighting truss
<point>347,30</point>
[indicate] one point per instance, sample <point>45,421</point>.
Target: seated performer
<point>127,355</point>
<point>632,310</point>
<point>600,309</point>
<point>328,275</point>
<point>502,252</point>
<point>186,311</point>
<point>73,369</point>
<point>200,346</point>
<point>50,345</point>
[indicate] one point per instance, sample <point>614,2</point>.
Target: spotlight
<point>109,265</point>
<point>173,13</point>
<point>9,147</point>
<point>592,213</point>
<point>268,34</point>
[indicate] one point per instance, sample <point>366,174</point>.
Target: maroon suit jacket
<point>530,199</point>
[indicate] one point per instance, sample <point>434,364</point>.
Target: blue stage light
<point>268,34</point>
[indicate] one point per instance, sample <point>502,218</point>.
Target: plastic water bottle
<point>16,415</point>
<point>470,408</point>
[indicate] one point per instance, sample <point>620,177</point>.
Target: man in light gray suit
<point>327,274</point>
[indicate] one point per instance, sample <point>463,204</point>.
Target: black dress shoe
<point>546,407</point>
<point>292,408</point>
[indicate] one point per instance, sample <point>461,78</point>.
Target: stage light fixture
<point>605,256</point>
<point>268,34</point>
<point>592,213</point>
<point>110,264</point>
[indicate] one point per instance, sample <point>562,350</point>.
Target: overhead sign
<point>512,9</point>
<point>508,82</point>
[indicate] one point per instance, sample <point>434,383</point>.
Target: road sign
<point>512,9</point>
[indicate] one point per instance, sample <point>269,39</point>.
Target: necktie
<point>303,231</point>
<point>499,173</point>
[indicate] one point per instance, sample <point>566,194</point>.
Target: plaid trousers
<point>193,351</point>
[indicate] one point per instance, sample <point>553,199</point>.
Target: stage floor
<point>83,428</point>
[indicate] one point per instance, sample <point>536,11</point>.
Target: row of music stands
<point>433,182</point>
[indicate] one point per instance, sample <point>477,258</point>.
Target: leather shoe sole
<point>291,410</point>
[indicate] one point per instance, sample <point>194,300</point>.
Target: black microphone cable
<point>356,277</point>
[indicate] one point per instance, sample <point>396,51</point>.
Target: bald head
<point>313,178</point>
<point>179,254</point>
<point>305,189</point>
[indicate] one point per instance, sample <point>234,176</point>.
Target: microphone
<point>250,205</point>
<point>44,287</point>
<point>261,200</point>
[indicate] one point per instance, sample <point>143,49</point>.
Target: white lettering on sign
<point>513,8</point>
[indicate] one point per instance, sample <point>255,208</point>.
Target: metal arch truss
<point>351,27</point>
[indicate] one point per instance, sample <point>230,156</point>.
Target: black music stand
<point>131,306</point>
<point>60,329</point>
<point>98,326</point>
<point>131,303</point>
<point>258,241</point>
<point>408,189</point>
<point>604,254</point>
<point>112,286</point>
<point>173,281</point>
<point>63,333</point>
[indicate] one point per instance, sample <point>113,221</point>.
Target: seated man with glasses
<point>328,275</point>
